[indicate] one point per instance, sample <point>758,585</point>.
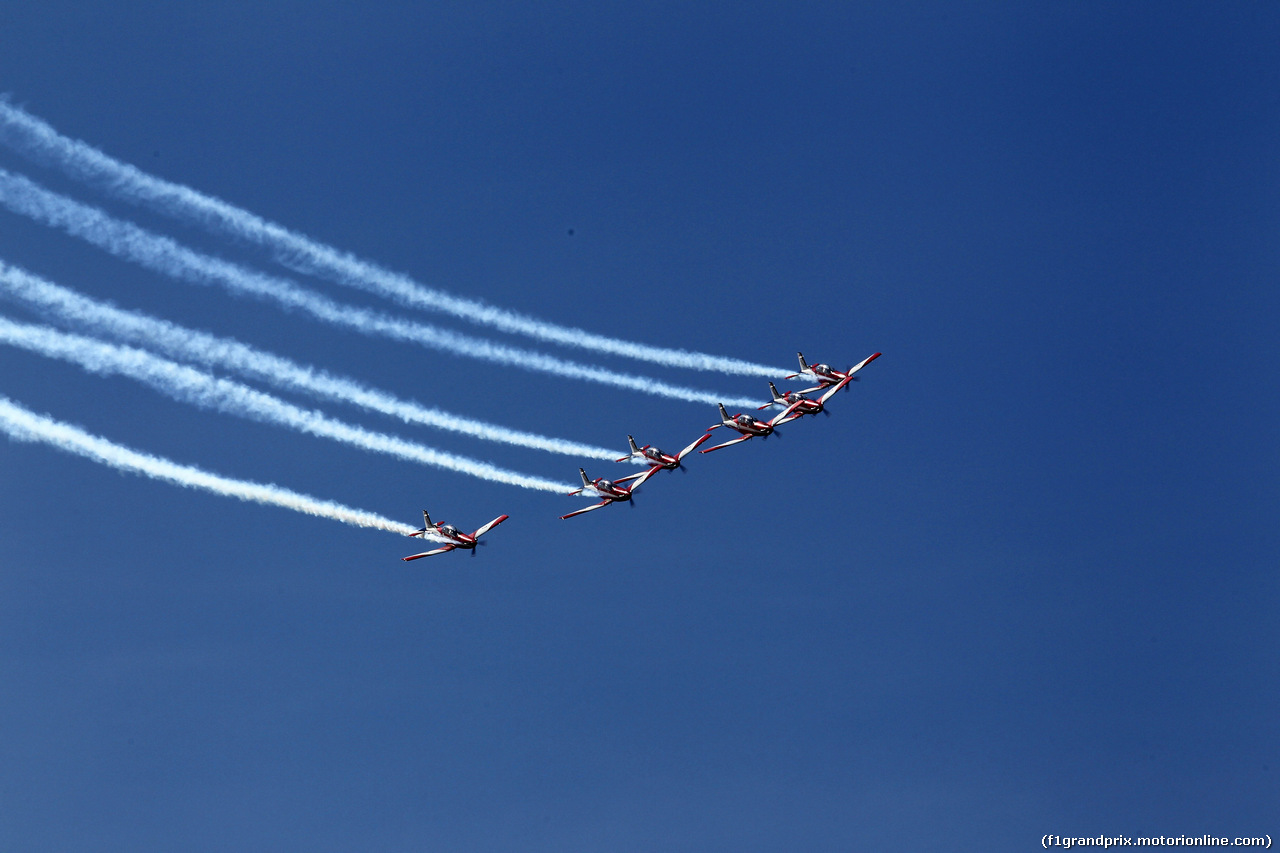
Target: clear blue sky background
<point>1022,581</point>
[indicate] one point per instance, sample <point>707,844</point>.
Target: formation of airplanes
<point>795,405</point>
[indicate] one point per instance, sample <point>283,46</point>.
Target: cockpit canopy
<point>449,530</point>
<point>605,484</point>
<point>745,419</point>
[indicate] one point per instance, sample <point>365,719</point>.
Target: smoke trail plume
<point>128,241</point>
<point>85,314</point>
<point>189,385</point>
<point>22,424</point>
<point>39,140</point>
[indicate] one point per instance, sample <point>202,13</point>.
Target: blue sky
<point>1021,581</point>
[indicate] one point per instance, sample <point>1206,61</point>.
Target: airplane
<point>747,425</point>
<point>802,405</point>
<point>656,457</point>
<point>609,492</point>
<point>451,534</point>
<point>824,375</point>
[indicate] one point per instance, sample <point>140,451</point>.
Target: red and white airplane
<point>794,399</point>
<point>450,534</point>
<point>824,375</point>
<point>656,457</point>
<point>608,491</point>
<point>802,405</point>
<point>747,425</point>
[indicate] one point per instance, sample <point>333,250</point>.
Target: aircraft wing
<point>782,418</point>
<point>483,530</point>
<point>443,550</point>
<point>634,476</point>
<point>683,453</point>
<point>646,475</point>
<point>831,392</point>
<point>863,363</point>
<point>726,444</point>
<point>588,509</point>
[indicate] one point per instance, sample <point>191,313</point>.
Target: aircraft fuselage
<point>748,425</point>
<point>654,456</point>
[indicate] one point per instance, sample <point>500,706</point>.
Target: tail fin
<point>586,484</point>
<point>635,451</point>
<point>804,368</point>
<point>723,414</point>
<point>426,520</point>
<point>778,399</point>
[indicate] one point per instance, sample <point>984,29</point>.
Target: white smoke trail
<point>85,314</point>
<point>128,241</point>
<point>39,140</point>
<point>200,389</point>
<point>22,424</point>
